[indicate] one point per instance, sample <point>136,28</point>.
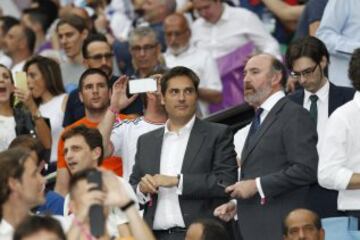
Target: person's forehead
<point>98,47</point>
<point>259,62</point>
<point>303,62</point>
<point>66,27</point>
<point>180,82</point>
<point>301,218</point>
<point>93,79</point>
<point>75,140</point>
<point>142,40</point>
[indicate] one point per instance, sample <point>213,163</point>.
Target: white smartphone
<point>142,85</point>
<point>21,81</point>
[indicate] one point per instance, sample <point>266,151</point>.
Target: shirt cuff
<point>259,188</point>
<point>179,188</point>
<point>142,197</point>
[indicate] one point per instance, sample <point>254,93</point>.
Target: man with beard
<point>279,158</point>
<point>97,53</point>
<point>95,95</point>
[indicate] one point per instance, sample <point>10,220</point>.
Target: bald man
<point>303,224</point>
<point>181,53</point>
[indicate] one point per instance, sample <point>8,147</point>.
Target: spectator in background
<point>180,52</point>
<point>47,90</point>
<point>39,227</point>
<point>6,22</point>
<point>19,46</point>
<point>340,31</point>
<point>340,149</point>
<point>206,229</point>
<point>223,29</point>
<point>71,31</point>
<point>303,224</point>
<point>22,187</point>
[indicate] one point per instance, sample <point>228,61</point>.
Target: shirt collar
<point>225,14</point>
<point>357,98</point>
<point>272,100</point>
<point>187,128</point>
<point>322,93</point>
<point>5,227</point>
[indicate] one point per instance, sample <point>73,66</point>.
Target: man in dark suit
<point>179,168</point>
<point>307,58</point>
<point>279,158</point>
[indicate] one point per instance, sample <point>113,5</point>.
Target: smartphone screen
<point>20,80</point>
<point>142,85</point>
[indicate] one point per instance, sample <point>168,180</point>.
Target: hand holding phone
<point>20,83</point>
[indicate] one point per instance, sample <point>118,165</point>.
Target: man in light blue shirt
<point>340,31</point>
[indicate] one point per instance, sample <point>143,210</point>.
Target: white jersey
<point>124,137</point>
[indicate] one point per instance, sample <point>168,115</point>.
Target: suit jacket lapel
<point>196,139</point>
<point>334,98</point>
<point>157,143</point>
<point>268,121</point>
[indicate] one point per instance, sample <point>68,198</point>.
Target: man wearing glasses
<point>308,60</point>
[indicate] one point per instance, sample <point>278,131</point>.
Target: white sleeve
<point>211,74</point>
<point>117,139</point>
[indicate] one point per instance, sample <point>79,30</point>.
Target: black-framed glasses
<point>145,48</point>
<point>98,57</point>
<point>305,73</point>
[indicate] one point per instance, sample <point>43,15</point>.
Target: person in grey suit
<point>308,59</point>
<point>279,159</point>
<point>179,168</point>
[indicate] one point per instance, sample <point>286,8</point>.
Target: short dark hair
<point>29,142</point>
<point>12,163</point>
<point>38,15</point>
<point>78,176</point>
<point>92,71</point>
<point>50,71</point>
<point>30,38</point>
<point>8,22</point>
<point>92,137</point>
<point>212,229</point>
<point>354,69</point>
<point>177,72</point>
<point>317,220</point>
<point>34,224</point>
<point>94,37</point>
<point>73,20</point>
<point>308,46</point>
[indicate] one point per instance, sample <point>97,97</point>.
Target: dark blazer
<point>321,200</point>
<point>283,154</point>
<point>209,158</point>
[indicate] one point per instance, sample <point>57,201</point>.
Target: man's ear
<point>323,62</point>
<point>162,99</point>
<point>81,96</point>
<point>276,78</point>
<point>96,153</point>
<point>13,184</point>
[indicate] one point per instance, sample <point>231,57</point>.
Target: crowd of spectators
<point>87,151</point>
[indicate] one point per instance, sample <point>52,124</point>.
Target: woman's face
<point>6,86</point>
<point>36,81</point>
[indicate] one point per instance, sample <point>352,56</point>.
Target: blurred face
<point>78,155</point>
<point>177,34</point>
<point>210,10</point>
<point>70,40</point>
<point>2,35</point>
<point>6,86</point>
<point>99,55</point>
<point>180,99</point>
<point>36,82</point>
<point>301,226</point>
<point>43,235</point>
<point>95,93</point>
<point>194,232</point>
<point>145,53</point>
<point>309,74</point>
<point>13,40</point>
<point>151,8</point>
<point>32,185</point>
<point>257,80</point>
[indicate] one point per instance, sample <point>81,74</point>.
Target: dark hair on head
<point>141,32</point>
<point>49,7</point>
<point>310,47</point>
<point>78,176</point>
<point>30,38</point>
<point>8,22</point>
<point>354,69</point>
<point>278,66</point>
<point>34,224</point>
<point>316,218</point>
<point>12,163</point>
<point>33,144</point>
<point>38,15</point>
<point>95,37</point>
<point>73,20</point>
<point>212,229</point>
<point>51,73</point>
<point>177,72</point>
<point>92,71</point>
<point>12,97</point>
<point>92,137</point>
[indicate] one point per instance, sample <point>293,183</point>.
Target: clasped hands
<point>151,183</point>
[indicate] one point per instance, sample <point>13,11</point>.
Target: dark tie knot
<point>258,112</point>
<point>314,98</point>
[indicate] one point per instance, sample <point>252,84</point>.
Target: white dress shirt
<point>6,230</point>
<point>340,153</point>
<point>267,106</point>
<point>168,213</point>
<point>203,65</point>
<point>322,107</point>
<point>236,27</point>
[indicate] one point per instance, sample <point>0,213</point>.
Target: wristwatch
<point>37,115</point>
